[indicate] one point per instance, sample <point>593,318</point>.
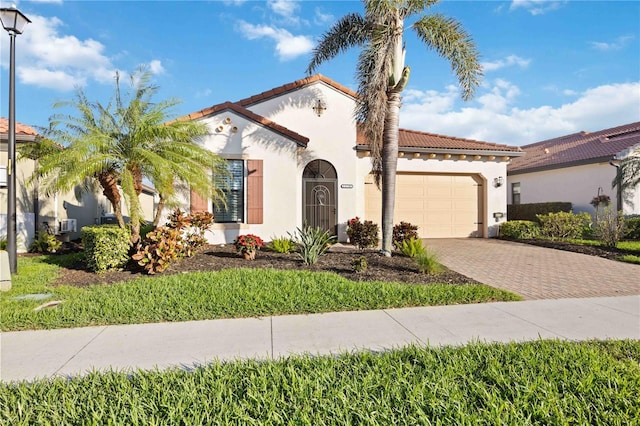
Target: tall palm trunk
<point>389,167</point>
<point>109,184</point>
<point>159,209</point>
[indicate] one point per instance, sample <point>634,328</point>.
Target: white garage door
<point>443,206</point>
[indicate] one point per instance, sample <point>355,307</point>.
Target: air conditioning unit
<point>68,225</point>
<point>108,220</point>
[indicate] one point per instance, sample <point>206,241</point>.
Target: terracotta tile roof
<point>21,129</point>
<point>575,149</point>
<point>277,91</point>
<point>423,140</point>
<point>240,110</point>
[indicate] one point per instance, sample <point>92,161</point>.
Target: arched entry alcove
<point>319,195</point>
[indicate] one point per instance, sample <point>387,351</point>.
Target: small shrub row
<point>632,228</point>
<point>181,237</point>
<point>520,229</point>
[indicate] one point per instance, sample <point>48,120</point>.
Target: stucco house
<point>296,157</point>
<point>575,168</point>
<point>64,213</point>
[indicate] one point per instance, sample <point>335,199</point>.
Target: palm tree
<point>628,175</point>
<point>382,76</point>
<point>119,144</point>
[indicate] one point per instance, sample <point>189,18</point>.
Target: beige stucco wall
<point>494,200</point>
<point>578,185</point>
<point>332,138</point>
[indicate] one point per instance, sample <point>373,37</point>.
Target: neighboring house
<point>34,209</point>
<point>575,168</point>
<point>296,158</point>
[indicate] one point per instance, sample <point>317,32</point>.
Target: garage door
<point>443,206</point>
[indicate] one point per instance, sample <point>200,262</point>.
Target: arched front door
<point>319,195</point>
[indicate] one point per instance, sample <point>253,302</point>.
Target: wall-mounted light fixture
<point>497,182</point>
<point>319,108</point>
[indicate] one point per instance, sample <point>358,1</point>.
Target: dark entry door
<point>319,186</point>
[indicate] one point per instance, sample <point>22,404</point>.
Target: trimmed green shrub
<point>428,262</point>
<point>402,232</point>
<point>609,227</point>
<point>632,228</point>
<point>531,211</point>
<point>411,247</point>
<point>362,234</point>
<point>563,224</point>
<point>3,243</point>
<point>520,229</point>
<point>281,245</point>
<point>45,243</point>
<point>312,243</point>
<point>106,247</point>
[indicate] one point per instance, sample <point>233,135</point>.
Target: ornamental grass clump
<point>312,243</point>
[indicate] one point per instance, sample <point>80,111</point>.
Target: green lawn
<point>231,293</point>
<point>543,383</point>
<point>632,246</point>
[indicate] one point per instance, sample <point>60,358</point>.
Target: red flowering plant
<point>248,243</point>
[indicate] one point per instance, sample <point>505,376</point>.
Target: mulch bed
<point>397,268</point>
<point>606,252</point>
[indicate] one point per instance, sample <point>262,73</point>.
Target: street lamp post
<point>14,22</point>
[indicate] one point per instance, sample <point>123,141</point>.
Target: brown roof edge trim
<point>240,110</point>
<point>597,160</point>
<point>456,151</point>
<point>298,84</point>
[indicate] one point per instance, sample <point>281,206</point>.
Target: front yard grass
<point>542,382</point>
<point>230,293</point>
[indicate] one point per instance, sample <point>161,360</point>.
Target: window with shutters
<point>232,186</point>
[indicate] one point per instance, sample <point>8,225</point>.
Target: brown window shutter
<point>197,203</point>
<point>254,191</point>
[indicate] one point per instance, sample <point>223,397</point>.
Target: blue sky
<point>551,67</point>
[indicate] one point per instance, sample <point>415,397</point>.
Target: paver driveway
<point>536,272</point>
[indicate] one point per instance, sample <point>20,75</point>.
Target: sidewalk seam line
<point>80,350</point>
<point>402,325</point>
<point>532,323</point>
<point>271,330</point>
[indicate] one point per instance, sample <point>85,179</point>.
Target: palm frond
<point>447,37</point>
<point>350,31</point>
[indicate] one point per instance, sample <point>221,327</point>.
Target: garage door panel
<point>442,206</point>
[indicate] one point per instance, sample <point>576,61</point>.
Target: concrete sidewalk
<point>27,355</point>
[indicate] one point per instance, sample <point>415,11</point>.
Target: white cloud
<point>510,60</point>
<point>321,18</point>
<point>52,79</point>
<point>156,67</point>
<point>234,2</point>
<point>494,118</point>
<point>59,61</point>
<point>286,8</point>
<point>618,44</point>
<point>536,7</point>
<point>288,46</point>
